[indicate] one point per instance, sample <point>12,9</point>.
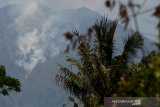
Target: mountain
<point>31,45</point>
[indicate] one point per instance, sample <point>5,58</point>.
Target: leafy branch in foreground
<point>7,83</point>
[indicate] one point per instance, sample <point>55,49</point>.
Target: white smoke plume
<point>36,35</point>
<point>30,51</point>
<point>40,28</point>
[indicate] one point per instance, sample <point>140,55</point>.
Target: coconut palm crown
<point>96,71</point>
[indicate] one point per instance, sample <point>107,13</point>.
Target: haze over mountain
<point>31,43</point>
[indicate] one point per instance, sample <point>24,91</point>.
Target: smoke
<point>30,51</point>
<point>40,28</point>
<point>38,38</point>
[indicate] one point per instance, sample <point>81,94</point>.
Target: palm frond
<point>132,44</point>
<point>110,40</point>
<point>72,82</point>
<point>74,62</point>
<point>105,30</point>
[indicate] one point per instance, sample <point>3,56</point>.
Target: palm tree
<point>97,71</point>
